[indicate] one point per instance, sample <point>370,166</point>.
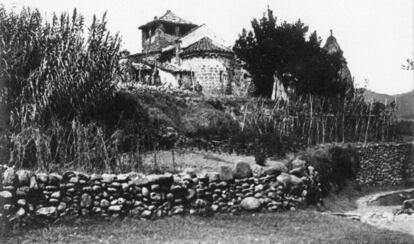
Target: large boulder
<point>242,170</point>
<point>23,177</point>
<point>55,178</point>
<point>46,211</point>
<point>42,178</point>
<point>288,180</point>
<point>138,179</point>
<point>6,195</point>
<point>250,203</point>
<point>166,179</point>
<point>275,168</point>
<point>226,173</point>
<point>299,172</point>
<point>108,178</point>
<point>298,163</point>
<point>9,176</point>
<point>213,176</point>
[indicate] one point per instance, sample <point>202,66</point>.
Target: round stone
<point>6,194</point>
<point>43,178</point>
<point>86,200</point>
<point>115,208</point>
<point>46,211</point>
<point>108,178</point>
<point>170,196</point>
<point>9,176</point>
<point>104,203</point>
<point>61,206</point>
<point>250,203</point>
<point>146,214</point>
<point>20,213</point>
<point>121,201</point>
<point>258,188</point>
<point>145,191</point>
<point>56,194</point>
<point>242,170</point>
<point>226,173</point>
<point>21,202</point>
<point>298,163</point>
<point>33,183</point>
<point>23,177</point>
<point>55,178</point>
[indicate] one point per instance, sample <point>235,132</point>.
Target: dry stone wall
<point>386,164</point>
<point>28,197</point>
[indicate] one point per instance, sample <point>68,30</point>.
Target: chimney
<point>177,52</point>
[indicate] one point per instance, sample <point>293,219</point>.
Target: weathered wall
<point>26,196</point>
<point>386,164</point>
<point>213,74</point>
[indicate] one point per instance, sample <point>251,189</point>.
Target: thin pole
<point>369,120</point>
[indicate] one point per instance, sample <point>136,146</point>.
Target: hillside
<point>405,102</point>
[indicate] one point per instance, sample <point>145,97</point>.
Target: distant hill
<point>405,102</point>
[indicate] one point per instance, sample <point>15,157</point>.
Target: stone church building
<point>181,54</point>
<point>178,53</point>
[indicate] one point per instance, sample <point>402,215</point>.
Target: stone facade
<point>212,73</point>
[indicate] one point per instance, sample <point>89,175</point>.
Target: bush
<point>336,165</point>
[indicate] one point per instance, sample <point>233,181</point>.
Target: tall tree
<point>283,50</point>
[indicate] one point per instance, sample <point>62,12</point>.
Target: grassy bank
<point>289,227</point>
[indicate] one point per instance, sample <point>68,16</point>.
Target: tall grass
<point>60,90</point>
<point>53,70</point>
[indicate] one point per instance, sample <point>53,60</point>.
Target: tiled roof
<point>205,45</point>
<point>164,66</point>
<point>171,18</point>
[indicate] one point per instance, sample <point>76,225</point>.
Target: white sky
<point>375,35</point>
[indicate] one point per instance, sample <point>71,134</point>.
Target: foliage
<point>53,71</point>
<point>336,165</point>
<point>282,50</point>
<point>409,65</point>
<point>61,94</point>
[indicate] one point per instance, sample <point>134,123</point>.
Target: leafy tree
<point>409,65</point>
<point>283,50</point>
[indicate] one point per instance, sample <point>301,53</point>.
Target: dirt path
<point>382,216</point>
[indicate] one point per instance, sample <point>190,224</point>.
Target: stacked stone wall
<point>386,164</point>
<point>28,197</point>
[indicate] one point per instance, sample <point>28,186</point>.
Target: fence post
<point>369,120</point>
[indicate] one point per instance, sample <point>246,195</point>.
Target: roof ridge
<point>205,44</point>
<point>171,18</point>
